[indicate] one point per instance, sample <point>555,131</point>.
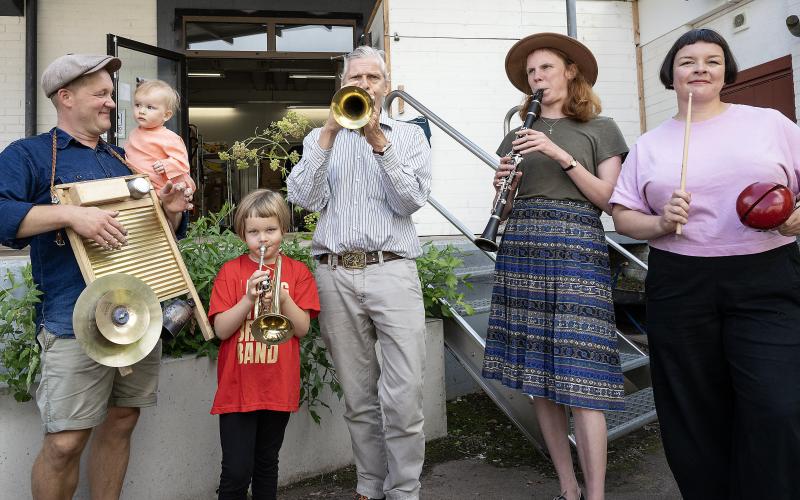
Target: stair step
<point>474,271</point>
<point>631,361</point>
<point>640,410</point>
<point>479,305</point>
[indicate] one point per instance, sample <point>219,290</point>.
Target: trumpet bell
<point>272,329</point>
<point>351,107</point>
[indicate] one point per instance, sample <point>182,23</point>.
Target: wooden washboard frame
<point>151,253</point>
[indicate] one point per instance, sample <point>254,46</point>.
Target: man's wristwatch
<point>382,151</point>
<point>572,164</point>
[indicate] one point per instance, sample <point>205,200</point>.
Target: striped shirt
<point>365,200</point>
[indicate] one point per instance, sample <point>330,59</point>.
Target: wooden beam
<point>639,69</point>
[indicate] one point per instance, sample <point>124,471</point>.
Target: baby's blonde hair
<point>170,95</point>
<point>262,203</point>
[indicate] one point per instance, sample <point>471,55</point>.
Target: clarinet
<point>486,241</point>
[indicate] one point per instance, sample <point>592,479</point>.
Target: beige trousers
<point>383,303</point>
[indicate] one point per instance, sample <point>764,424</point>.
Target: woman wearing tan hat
<point>551,329</point>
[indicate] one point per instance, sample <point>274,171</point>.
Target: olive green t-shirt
<point>590,143</point>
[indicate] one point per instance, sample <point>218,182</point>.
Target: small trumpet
<point>270,326</point>
<point>351,107</point>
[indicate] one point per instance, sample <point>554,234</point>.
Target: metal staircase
<point>464,336</point>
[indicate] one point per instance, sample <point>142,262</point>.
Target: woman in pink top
<point>152,148</point>
<point>723,300</point>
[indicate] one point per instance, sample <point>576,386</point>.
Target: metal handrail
<point>487,158</point>
<point>458,224</point>
<point>507,120</point>
<point>492,160</point>
<point>625,253</point>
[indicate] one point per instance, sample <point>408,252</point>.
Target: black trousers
<point>250,445</point>
<point>724,336</point>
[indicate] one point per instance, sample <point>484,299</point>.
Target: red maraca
<point>764,205</point>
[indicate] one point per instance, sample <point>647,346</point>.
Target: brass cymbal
<point>117,320</point>
<point>120,314</point>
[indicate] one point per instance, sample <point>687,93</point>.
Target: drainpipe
<point>30,67</point>
<point>572,25</point>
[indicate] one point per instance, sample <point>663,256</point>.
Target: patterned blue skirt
<point>551,327</point>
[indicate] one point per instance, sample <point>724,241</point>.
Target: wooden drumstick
<point>679,227</point>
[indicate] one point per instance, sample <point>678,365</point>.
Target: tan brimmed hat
<point>70,67</point>
<point>517,57</point>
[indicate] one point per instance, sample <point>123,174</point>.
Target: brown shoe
<point>359,496</point>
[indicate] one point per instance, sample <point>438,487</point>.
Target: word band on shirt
<point>251,351</point>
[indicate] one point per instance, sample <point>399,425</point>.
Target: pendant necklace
<point>549,124</point>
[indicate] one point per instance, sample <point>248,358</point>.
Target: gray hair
<point>366,52</point>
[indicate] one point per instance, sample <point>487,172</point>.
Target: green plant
<point>316,368</point>
<point>20,354</point>
<point>206,247</point>
<point>272,144</point>
<point>436,267</point>
<point>310,221</point>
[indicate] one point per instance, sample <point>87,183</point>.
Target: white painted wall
<point>452,60</point>
<point>657,17</point>
<point>765,39</point>
<point>12,79</point>
<point>793,7</point>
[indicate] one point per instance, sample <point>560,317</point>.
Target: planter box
<point>175,448</point>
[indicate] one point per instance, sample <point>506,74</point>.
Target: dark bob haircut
<point>689,38</point>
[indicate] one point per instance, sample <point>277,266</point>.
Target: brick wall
<point>63,27</point>
<point>12,79</point>
<point>452,60</point>
<point>793,7</point>
<point>80,26</point>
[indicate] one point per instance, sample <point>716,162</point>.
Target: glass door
<point>145,62</point>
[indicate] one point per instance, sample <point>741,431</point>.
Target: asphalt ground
<point>485,456</point>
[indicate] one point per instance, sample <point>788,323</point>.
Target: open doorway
<point>245,73</point>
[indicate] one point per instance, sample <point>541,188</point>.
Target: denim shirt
<point>25,169</point>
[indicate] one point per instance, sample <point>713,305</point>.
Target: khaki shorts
<point>75,392</point>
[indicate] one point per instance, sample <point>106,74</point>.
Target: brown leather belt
<point>356,260</point>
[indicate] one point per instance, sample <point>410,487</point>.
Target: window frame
<point>270,22</point>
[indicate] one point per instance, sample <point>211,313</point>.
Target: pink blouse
<point>742,145</point>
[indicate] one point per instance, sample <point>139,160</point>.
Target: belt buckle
<point>354,260</point>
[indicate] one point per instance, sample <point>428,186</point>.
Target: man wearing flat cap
<point>76,395</point>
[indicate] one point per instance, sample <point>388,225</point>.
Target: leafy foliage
<point>207,246</point>
<point>316,368</point>
<point>310,221</point>
<point>436,267</point>
<point>20,354</point>
<point>272,143</point>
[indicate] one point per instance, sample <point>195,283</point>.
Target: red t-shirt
<point>251,375</point>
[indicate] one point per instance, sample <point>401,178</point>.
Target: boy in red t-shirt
<point>258,385</point>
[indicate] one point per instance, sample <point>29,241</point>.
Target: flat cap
<point>70,67</point>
